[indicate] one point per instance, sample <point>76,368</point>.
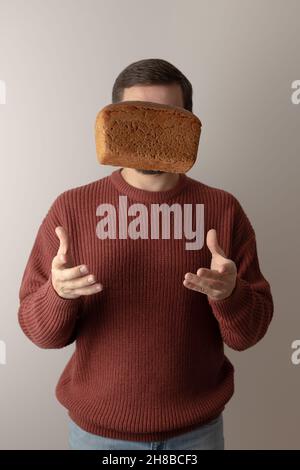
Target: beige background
<point>59,59</point>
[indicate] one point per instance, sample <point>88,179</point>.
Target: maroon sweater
<point>149,360</point>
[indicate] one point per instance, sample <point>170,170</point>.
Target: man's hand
<point>219,281</point>
<point>70,281</point>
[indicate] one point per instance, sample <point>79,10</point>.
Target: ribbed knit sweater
<point>149,358</point>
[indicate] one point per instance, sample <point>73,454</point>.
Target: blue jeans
<point>206,437</point>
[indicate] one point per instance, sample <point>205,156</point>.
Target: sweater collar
<point>138,194</point>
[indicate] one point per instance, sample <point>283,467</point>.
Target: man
<point>149,317</point>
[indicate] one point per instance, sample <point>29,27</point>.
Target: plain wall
<point>59,60</point>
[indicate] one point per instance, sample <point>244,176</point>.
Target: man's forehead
<point>163,94</point>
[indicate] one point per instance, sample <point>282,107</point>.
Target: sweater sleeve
<point>47,319</point>
<point>245,315</point>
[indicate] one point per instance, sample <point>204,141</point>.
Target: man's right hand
<point>70,282</point>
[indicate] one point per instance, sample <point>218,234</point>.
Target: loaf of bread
<point>147,135</point>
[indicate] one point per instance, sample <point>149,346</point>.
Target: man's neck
<point>158,182</point>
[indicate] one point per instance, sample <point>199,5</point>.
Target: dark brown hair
<point>151,72</point>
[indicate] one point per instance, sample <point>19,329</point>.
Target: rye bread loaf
<point>147,135</point>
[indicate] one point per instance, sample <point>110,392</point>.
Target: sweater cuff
<point>232,305</point>
<point>59,304</point>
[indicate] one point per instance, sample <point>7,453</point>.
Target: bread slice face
<point>147,135</point>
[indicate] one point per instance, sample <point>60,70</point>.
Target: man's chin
<point>150,172</point>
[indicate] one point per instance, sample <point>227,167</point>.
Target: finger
<point>63,240</point>
<point>69,286</point>
<point>227,267</point>
<point>205,283</point>
<point>75,272</point>
<point>213,244</point>
<point>209,274</point>
<point>88,290</point>
<point>201,289</point>
<point>61,262</point>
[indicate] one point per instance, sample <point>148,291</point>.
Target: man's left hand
<point>219,281</point>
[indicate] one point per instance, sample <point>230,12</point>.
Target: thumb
<point>213,244</point>
<point>63,239</point>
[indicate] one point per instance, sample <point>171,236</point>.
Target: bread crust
<point>147,135</point>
